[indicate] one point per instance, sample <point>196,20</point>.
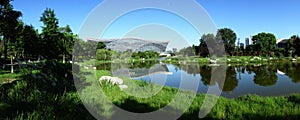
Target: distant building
<point>281,43</point>
<point>133,44</point>
<point>242,45</point>
<point>174,50</point>
<point>248,41</point>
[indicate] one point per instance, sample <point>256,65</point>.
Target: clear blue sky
<point>245,17</point>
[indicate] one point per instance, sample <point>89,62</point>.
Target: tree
<point>228,37</point>
<point>15,46</point>
<point>51,37</point>
<point>9,29</point>
<point>295,41</point>
<point>203,49</point>
<point>31,42</point>
<point>8,22</point>
<point>78,49</point>
<point>68,39</point>
<point>265,42</point>
<point>187,51</point>
<point>101,45</point>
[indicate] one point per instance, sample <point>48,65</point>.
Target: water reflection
<point>116,66</point>
<point>263,79</point>
<point>265,75</point>
<point>231,81</point>
<point>292,70</point>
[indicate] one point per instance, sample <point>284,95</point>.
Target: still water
<point>271,79</point>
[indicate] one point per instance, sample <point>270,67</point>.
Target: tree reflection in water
<point>231,81</point>
<point>292,70</point>
<point>265,75</point>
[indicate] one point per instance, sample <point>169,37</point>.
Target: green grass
<point>245,107</point>
<point>23,100</point>
<point>6,76</point>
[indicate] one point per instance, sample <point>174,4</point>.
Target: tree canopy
<point>8,22</point>
<point>228,36</point>
<point>51,37</point>
<point>265,42</point>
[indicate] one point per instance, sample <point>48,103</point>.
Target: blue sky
<point>245,17</point>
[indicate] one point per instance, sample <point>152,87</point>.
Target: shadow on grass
<point>142,111</point>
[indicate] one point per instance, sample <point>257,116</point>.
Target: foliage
<point>51,37</point>
<point>188,51</point>
<point>101,45</point>
<point>203,51</point>
<point>264,42</point>
<point>8,22</point>
<point>228,37</point>
<point>293,45</point>
<point>68,39</point>
<point>145,55</point>
<point>103,55</point>
<point>48,94</point>
<point>31,42</point>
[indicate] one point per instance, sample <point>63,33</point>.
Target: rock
<point>123,87</point>
<point>104,78</point>
<point>112,80</point>
<point>213,61</point>
<point>116,81</point>
<point>85,67</point>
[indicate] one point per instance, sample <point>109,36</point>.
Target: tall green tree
<point>31,42</point>
<point>15,46</point>
<point>68,39</point>
<point>265,42</point>
<point>228,36</point>
<point>51,36</point>
<point>203,49</point>
<point>295,40</point>
<point>8,24</point>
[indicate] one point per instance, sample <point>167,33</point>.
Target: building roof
<point>282,41</point>
<point>116,39</point>
<point>133,44</point>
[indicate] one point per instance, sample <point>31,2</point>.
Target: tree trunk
<point>64,58</point>
<point>5,48</point>
<point>11,63</point>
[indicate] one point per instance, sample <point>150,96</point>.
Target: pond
<point>271,79</point>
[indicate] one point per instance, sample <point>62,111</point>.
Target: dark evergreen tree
<point>51,37</point>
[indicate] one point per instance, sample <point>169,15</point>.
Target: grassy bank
<point>245,107</point>
<point>34,96</point>
<point>6,76</point>
<point>231,59</point>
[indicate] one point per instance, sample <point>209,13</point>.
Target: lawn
<point>34,96</point>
